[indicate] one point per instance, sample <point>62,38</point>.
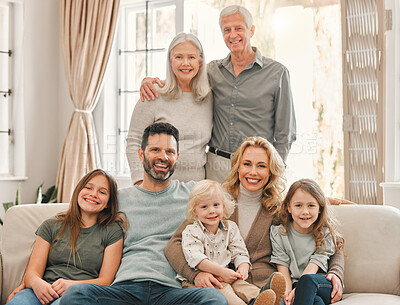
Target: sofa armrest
<point>1,276</point>
<point>371,247</point>
<point>18,236</point>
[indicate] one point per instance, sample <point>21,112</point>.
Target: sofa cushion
<point>371,248</point>
<point>369,299</point>
<point>18,235</point>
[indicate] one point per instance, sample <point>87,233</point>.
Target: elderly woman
<point>256,181</point>
<point>185,102</point>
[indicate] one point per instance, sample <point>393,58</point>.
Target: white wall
<point>45,93</point>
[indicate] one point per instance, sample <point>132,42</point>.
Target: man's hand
<point>147,89</point>
<point>15,291</point>
<point>205,279</point>
<point>337,287</point>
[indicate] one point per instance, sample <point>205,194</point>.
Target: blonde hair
<point>272,193</point>
<point>199,84</point>
<point>325,219</point>
<point>202,191</point>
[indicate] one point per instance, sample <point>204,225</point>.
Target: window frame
<point>109,110</point>
<point>392,88</point>
<point>17,169</point>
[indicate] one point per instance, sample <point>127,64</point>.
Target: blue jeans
<point>28,297</point>
<point>313,289</point>
<point>140,293</point>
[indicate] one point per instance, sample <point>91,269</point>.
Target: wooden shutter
<point>363,98</point>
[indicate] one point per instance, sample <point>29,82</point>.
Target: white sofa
<point>372,249</point>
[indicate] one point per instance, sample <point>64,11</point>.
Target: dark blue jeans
<point>313,289</point>
<point>140,293</point>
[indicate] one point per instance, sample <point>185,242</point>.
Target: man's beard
<point>157,176</point>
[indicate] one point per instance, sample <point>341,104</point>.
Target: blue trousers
<point>140,293</point>
<point>313,289</point>
<point>28,297</point>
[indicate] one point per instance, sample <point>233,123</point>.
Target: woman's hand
<point>147,89</point>
<point>61,285</point>
<point>15,291</point>
<point>337,288</point>
<point>243,270</point>
<point>43,291</point>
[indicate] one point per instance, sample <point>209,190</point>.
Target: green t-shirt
<point>90,245</point>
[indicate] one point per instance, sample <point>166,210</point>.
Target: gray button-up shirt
<point>258,102</point>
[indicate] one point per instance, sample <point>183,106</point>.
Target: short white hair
<point>233,9</point>
<point>199,84</point>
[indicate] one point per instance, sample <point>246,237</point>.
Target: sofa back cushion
<point>372,248</point>
<point>18,236</point>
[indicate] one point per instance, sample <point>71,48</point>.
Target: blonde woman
<point>185,102</point>
<point>256,181</point>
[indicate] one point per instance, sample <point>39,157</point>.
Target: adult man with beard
<point>155,209</point>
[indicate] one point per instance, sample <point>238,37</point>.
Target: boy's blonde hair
<point>202,191</point>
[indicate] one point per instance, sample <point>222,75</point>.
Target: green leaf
<point>7,205</point>
<point>53,197</point>
<point>48,196</point>
<point>18,196</point>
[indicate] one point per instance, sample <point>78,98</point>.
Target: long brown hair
<point>273,191</point>
<point>325,219</point>
<point>72,218</point>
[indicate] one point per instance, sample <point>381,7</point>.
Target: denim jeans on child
<point>27,296</point>
<point>140,293</point>
<point>313,289</point>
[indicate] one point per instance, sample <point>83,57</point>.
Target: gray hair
<point>233,9</point>
<point>199,84</point>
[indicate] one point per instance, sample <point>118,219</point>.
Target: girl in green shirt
<point>82,245</point>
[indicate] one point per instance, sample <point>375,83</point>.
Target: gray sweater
<point>296,250</point>
<point>153,218</point>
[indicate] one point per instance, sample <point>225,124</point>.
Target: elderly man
<point>252,95</point>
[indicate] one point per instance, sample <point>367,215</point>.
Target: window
<point>12,158</point>
<point>144,33</point>
<point>317,36</point>
<point>314,27</point>
<point>5,88</point>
